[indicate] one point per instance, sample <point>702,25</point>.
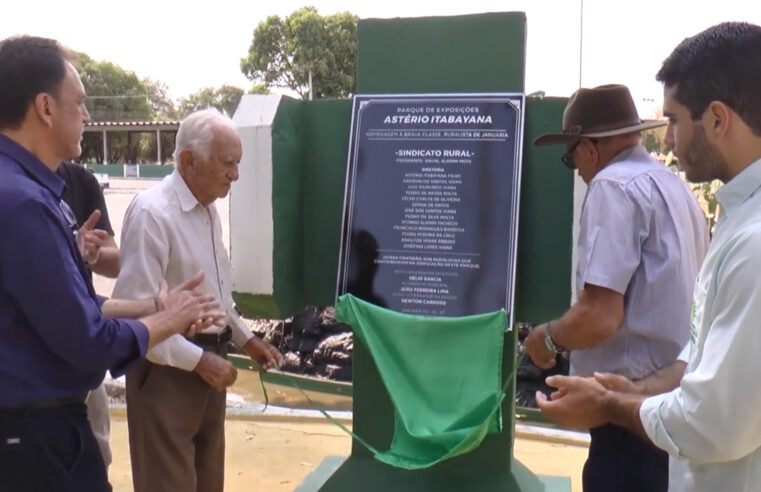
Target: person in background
<point>101,254</point>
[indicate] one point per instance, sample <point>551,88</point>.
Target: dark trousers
<point>50,449</point>
<point>620,461</point>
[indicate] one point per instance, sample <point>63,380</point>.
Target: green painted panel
<point>113,170</point>
<point>470,53</point>
<point>257,305</point>
<point>327,142</point>
<point>152,171</point>
<point>287,206</point>
<point>309,149</point>
<point>543,274</point>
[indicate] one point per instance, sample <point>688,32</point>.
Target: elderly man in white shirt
<point>176,399</point>
<point>710,424</point>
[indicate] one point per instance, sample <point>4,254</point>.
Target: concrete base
<point>337,473</point>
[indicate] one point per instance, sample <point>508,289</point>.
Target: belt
<point>47,403</point>
<point>213,339</point>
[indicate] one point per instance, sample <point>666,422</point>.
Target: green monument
<point>468,54</point>
<point>309,140</point>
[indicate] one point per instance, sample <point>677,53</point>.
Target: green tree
<point>116,94</point>
<point>651,142</point>
<point>705,192</point>
<point>225,99</point>
<point>654,140</point>
<point>259,89</point>
<point>113,94</point>
<point>284,52</point>
<point>159,99</point>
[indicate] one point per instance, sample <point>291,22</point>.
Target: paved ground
<point>260,455</point>
<point>275,456</point>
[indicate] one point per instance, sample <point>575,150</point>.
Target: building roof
<point>144,126</point>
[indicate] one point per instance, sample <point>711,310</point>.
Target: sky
<point>192,45</point>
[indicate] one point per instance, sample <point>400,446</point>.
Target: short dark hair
<point>722,63</point>
<point>28,66</point>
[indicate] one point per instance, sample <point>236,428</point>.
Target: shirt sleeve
<point>240,333</point>
<point>684,355</point>
<point>145,249</point>
<point>713,415</point>
<point>614,225</point>
<point>46,280</point>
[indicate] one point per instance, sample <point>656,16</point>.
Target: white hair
<point>197,131</point>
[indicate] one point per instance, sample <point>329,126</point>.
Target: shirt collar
<point>740,188</point>
<point>635,152</point>
<point>187,200</point>
<point>33,166</point>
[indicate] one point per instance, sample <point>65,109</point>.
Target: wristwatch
<point>549,343</point>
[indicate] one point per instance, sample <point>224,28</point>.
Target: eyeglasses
<point>567,158</point>
<point>71,219</point>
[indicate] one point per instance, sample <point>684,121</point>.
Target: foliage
<point>653,140</point>
<point>283,52</point>
<point>705,192</point>
<point>158,97</point>
<point>259,89</point>
<point>225,99</point>
<point>113,94</point>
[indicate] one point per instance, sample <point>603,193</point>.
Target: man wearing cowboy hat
<point>642,239</point>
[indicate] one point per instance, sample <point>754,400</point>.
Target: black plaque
<point>431,205</point>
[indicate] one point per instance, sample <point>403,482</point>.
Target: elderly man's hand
<point>217,371</point>
<point>263,353</point>
<point>536,348</point>
<point>578,403</point>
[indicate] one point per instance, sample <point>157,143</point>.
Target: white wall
<point>251,225</point>
<point>579,191</point>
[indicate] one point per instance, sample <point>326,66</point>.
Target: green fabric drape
<point>443,376</point>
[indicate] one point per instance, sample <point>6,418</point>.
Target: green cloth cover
<point>443,376</point>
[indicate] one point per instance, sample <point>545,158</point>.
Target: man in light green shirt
<point>710,424</point>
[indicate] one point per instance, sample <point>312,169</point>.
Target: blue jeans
<point>50,449</point>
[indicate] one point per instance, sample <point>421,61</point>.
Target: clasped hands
<point>197,310</point>
<point>580,402</point>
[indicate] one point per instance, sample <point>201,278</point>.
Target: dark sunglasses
<point>567,158</point>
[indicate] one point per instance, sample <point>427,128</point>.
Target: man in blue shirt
<point>55,343</point>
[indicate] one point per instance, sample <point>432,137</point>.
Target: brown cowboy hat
<point>603,111</point>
